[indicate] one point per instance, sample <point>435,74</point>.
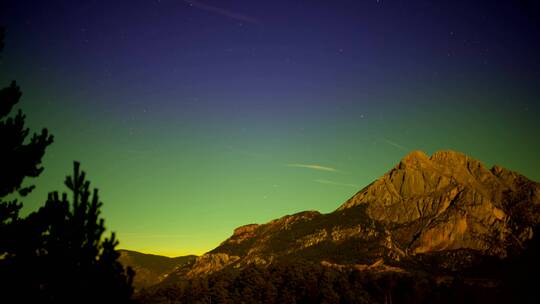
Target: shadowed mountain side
<point>152,269</point>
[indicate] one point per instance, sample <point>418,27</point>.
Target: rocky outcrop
<point>210,263</point>
<point>449,201</point>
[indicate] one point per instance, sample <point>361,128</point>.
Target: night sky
<point>196,117</point>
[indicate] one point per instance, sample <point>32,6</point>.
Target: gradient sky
<point>196,117</point>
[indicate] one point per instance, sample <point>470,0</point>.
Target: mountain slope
<point>152,269</point>
<point>423,205</point>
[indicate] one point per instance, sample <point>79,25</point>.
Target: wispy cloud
<point>328,182</point>
<point>314,167</point>
<point>221,11</point>
<point>394,144</point>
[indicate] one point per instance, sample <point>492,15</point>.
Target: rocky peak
<point>245,229</point>
<point>242,234</point>
<point>450,163</point>
<point>449,157</point>
<point>452,199</point>
<point>414,158</point>
<point>418,175</point>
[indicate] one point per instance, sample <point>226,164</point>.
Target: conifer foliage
<point>57,254</point>
<point>19,158</point>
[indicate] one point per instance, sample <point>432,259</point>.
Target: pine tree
<point>19,158</point>
<point>64,258</point>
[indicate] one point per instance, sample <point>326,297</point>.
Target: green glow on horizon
<point>184,195</point>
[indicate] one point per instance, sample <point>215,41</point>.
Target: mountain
<point>152,269</point>
<point>436,218</point>
<point>424,204</point>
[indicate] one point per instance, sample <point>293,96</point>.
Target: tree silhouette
<point>60,256</point>
<point>56,254</point>
<point>18,157</point>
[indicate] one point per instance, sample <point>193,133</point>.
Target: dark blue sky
<point>237,47</point>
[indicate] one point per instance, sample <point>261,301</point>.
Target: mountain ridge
<point>424,204</point>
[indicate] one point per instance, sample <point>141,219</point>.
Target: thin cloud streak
<point>394,144</point>
<point>221,11</point>
<point>328,182</point>
<point>314,167</point>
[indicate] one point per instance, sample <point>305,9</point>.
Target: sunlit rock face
<point>243,233</point>
<point>450,201</point>
<point>425,204</point>
<point>211,262</point>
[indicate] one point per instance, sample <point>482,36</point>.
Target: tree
<point>19,158</point>
<point>56,254</point>
<point>63,258</point>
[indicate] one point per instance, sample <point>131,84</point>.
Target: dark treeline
<point>486,280</point>
<point>304,282</point>
<point>315,283</point>
<point>56,254</point>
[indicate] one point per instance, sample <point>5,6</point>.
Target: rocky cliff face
<point>424,204</point>
<point>450,201</point>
